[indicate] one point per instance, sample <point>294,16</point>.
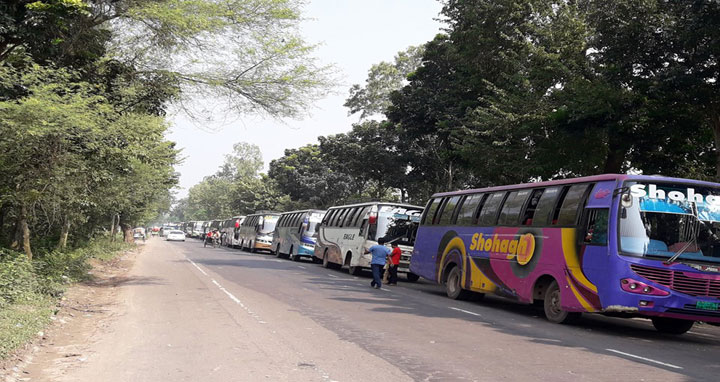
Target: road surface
<point>217,314</point>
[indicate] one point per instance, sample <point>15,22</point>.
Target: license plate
<point>707,305</point>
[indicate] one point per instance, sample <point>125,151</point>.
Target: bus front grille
<point>680,281</point>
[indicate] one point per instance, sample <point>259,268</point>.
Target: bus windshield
<point>313,221</point>
<point>671,221</point>
<point>398,224</point>
<point>268,223</point>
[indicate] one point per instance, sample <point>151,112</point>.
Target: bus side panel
<point>507,261</point>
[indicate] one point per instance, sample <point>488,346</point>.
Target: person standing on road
<point>379,253</point>
<point>393,263</point>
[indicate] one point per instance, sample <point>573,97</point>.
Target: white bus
<point>346,231</point>
<point>197,229</point>
<point>256,231</point>
<point>231,231</point>
<point>296,234</point>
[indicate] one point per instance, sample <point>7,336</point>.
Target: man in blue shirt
<point>379,255</point>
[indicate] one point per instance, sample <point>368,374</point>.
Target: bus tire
<point>293,256</point>
<point>553,306</point>
<point>355,271</point>
<point>453,287</point>
<point>277,251</point>
<point>411,277</point>
<point>325,260</point>
<point>671,325</point>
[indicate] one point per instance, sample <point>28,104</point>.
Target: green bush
<point>17,279</point>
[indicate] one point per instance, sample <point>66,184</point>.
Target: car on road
<point>175,235</point>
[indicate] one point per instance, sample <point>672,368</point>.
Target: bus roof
<point>307,210</point>
<point>378,203</point>
<point>584,179</point>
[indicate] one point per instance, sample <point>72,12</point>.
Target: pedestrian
<point>394,263</point>
<point>379,253</point>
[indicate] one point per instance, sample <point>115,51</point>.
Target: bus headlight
<point>639,287</point>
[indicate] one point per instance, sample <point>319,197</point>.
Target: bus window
<point>430,214</point>
<point>571,203</point>
<point>349,218</point>
<point>488,214</point>
<point>448,211</point>
<point>359,217</point>
<point>466,215</point>
<point>510,212</point>
<point>545,207</point>
<point>531,207</point>
<point>596,229</point>
<point>558,204</point>
<point>328,218</point>
<point>438,213</point>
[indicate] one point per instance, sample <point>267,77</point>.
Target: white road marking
<point>644,359</point>
<point>300,266</point>
<point>702,334</point>
<point>465,311</point>
<point>196,266</point>
<point>333,276</point>
<point>279,261</point>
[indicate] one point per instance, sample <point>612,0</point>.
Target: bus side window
<point>349,218</point>
<point>558,205</point>
<point>489,212</point>
<point>510,213</point>
<point>596,227</point>
<point>329,216</point>
<point>532,204</point>
<point>430,211</point>
<point>439,212</point>
<point>571,204</point>
<point>360,215</point>
<point>448,211</point>
<point>466,214</point>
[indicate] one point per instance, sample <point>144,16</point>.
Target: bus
<point>187,227</point>
<point>229,230</point>
<point>256,231</point>
<point>624,245</point>
<point>296,234</point>
<point>198,229</point>
<point>346,231</point>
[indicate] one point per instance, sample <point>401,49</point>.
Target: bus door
<point>591,264</point>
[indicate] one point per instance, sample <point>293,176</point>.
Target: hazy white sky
<point>355,34</point>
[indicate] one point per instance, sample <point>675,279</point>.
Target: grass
<point>21,322</point>
<point>29,293</point>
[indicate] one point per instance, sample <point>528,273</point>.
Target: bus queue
<point>614,244</point>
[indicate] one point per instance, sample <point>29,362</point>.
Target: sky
<point>353,35</point>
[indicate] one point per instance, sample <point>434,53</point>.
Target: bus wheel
<point>292,255</point>
<point>671,325</point>
<point>412,277</point>
<point>453,288</point>
<point>553,306</point>
<point>355,271</point>
<point>325,260</point>
<point>277,251</point>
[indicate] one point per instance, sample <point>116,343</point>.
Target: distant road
<point>204,314</point>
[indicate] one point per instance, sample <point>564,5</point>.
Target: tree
<point>307,177</point>
<point>383,78</point>
<point>244,162</point>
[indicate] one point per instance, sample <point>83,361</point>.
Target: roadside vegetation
<point>85,86</point>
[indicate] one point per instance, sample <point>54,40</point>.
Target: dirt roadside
<point>84,312</point>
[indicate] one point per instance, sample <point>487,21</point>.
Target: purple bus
<point>626,245</point>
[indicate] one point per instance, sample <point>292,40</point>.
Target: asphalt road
<point>254,317</point>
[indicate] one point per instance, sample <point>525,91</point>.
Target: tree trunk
<point>715,125</point>
<point>616,155</point>
<point>3,213</point>
<point>112,227</point>
<point>62,244</point>
<point>127,233</point>
<point>22,233</point>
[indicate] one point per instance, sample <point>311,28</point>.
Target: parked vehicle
<point>139,233</point>
<point>176,235</point>
<point>256,231</point>
<point>633,245</point>
<point>295,234</point>
<point>198,229</point>
<point>227,230</point>
<point>235,239</point>
<point>346,231</point>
